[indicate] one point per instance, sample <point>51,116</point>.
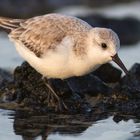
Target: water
<point>73,127</point>
<point>6,126</point>
<point>18,126</point>
<point>9,57</point>
<point>105,129</point>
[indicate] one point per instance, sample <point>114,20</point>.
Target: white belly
<point>53,64</point>
<point>56,64</point>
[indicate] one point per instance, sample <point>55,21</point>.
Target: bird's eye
<point>103,45</point>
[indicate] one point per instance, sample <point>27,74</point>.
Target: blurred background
<point>29,8</point>
<point>123,16</point>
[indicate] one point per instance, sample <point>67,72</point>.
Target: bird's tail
<point>9,24</point>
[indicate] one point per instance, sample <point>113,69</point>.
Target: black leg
<point>53,98</point>
<point>71,84</point>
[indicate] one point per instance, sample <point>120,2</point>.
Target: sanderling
<point>60,46</point>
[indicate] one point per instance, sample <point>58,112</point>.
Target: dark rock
<point>62,3</point>
<point>128,26</point>
<point>4,78</point>
<point>28,91</point>
<point>31,92</point>
<point>108,73</point>
<point>24,8</point>
<point>126,94</point>
<point>94,83</point>
<point>119,117</point>
<point>130,84</point>
<point>88,84</point>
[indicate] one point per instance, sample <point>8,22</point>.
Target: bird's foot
<point>55,100</point>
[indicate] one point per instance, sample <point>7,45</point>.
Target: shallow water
<point>73,127</point>
<point>64,127</point>
<point>9,57</point>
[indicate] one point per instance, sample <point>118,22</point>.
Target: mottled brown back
<point>45,32</point>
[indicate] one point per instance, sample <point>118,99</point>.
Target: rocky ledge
<point>101,90</point>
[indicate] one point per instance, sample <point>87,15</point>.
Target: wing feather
<point>45,32</point>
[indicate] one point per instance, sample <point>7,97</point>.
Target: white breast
<point>54,63</point>
<point>58,63</point>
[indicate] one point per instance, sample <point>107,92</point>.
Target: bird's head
<point>105,45</point>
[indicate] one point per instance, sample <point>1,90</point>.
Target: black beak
<point>118,61</point>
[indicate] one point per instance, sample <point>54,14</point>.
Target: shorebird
<point>60,46</point>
